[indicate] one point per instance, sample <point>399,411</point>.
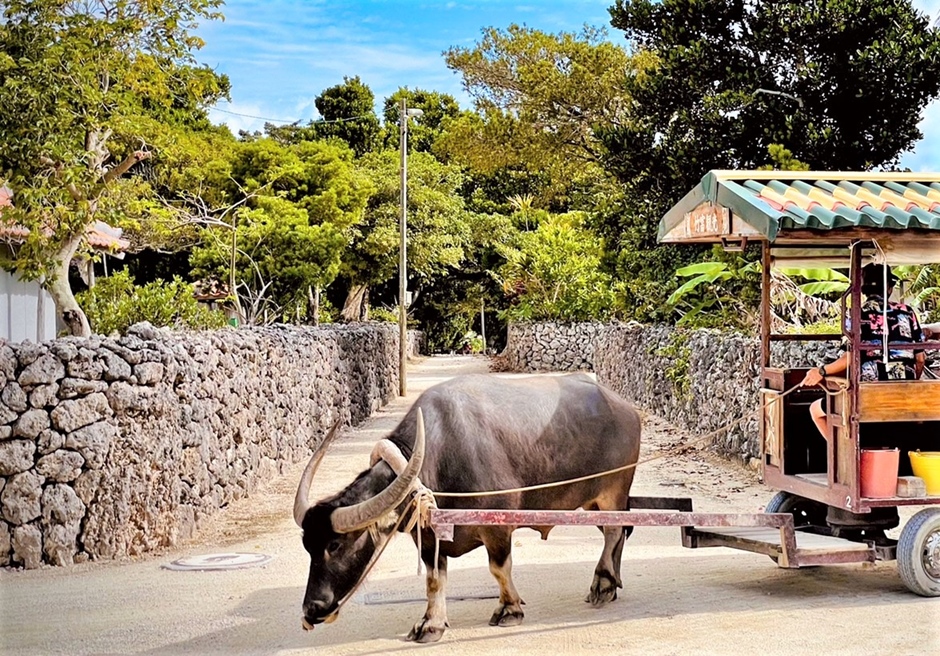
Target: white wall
<point>26,311</point>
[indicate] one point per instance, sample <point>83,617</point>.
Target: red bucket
<point>880,473</point>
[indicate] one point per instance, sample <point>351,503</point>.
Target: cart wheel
<point>919,553</point>
<point>806,512</point>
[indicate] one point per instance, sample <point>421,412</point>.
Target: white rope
<point>884,304</point>
<point>423,502</point>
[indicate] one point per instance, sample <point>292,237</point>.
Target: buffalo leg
<point>498,544</point>
<point>607,573</point>
<point>431,627</point>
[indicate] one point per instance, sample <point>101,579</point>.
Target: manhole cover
<point>211,562</point>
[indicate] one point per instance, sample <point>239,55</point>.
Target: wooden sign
<point>708,220</point>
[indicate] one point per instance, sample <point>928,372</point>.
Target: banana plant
<point>822,281</point>
<point>703,291</point>
<point>923,288</point>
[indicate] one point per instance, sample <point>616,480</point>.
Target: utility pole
<point>403,250</point>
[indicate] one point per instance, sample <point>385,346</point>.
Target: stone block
<point>49,441</point>
<point>31,423</point>
<point>70,388</point>
<point>27,546</point>
<point>72,414</point>
<point>44,371</point>
<point>62,465</point>
<point>44,396</point>
<point>92,442</point>
<point>149,373</point>
<point>20,499</point>
<point>16,456</point>
<point>14,397</point>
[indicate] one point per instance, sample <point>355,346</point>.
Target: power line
<point>284,120</point>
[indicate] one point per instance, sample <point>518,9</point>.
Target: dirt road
<point>674,601</point>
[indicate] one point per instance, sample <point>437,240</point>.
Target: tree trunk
<point>355,308</point>
<point>313,300</point>
<point>66,306</point>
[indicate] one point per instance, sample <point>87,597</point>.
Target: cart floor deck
<point>811,548</point>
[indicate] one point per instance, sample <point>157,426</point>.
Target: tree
<point>348,112</point>
<point>554,273</point>
<point>539,99</point>
<point>83,88</point>
<point>438,226</point>
<point>558,86</point>
<point>297,209</point>
<point>423,132</point>
<point>839,85</point>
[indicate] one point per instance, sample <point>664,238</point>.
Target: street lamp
<point>403,249</point>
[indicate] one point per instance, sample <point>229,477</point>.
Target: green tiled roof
<point>775,202</point>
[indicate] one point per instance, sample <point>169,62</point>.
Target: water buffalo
<point>483,432</point>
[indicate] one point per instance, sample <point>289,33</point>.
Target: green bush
<point>383,314</point>
<point>553,273</point>
<point>471,343</point>
<point>115,303</point>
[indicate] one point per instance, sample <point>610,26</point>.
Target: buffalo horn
<point>361,515</point>
<point>301,500</point>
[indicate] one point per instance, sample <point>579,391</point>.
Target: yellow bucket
<point>926,465</point>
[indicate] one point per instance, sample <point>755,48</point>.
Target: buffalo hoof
<point>603,590</point>
<point>424,632</point>
<point>507,615</point>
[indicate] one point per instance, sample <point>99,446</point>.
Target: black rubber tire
<point>919,553</point>
<point>806,512</point>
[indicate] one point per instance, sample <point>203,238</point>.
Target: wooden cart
<point>819,516</point>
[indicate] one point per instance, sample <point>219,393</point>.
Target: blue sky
<point>281,54</point>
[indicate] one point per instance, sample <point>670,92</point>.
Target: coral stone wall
<point>702,380</point>
<point>112,447</point>
<point>551,346</point>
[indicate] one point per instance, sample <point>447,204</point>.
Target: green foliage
<point>424,130</point>
<point>822,327</point>
<point>923,288</point>
<point>720,293</point>
<point>678,353</point>
<point>383,314</point>
<point>348,112</point>
<point>539,98</point>
<point>554,273</point>
<point>857,75</point>
<point>782,160</point>
<point>86,90</point>
<point>822,281</point>
<point>471,343</point>
<point>301,205</point>
<point>115,303</point>
<point>438,223</point>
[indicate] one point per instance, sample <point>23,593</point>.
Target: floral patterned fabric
<point>903,326</point>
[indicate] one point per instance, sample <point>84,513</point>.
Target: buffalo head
<point>340,532</point>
